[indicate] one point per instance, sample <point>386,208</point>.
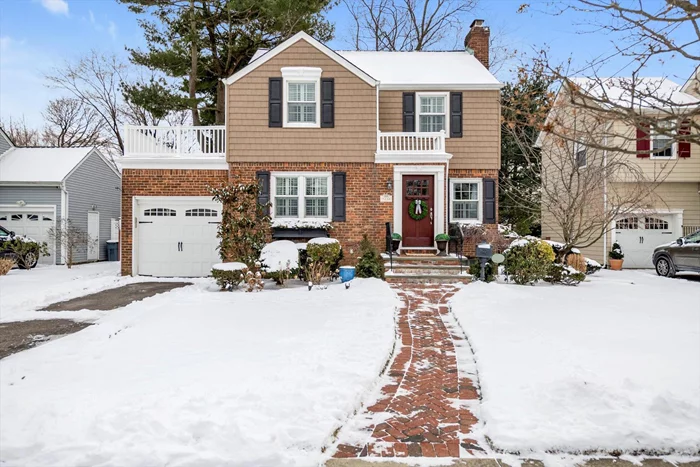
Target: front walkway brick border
<point>422,416</point>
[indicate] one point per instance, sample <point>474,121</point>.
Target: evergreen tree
<point>197,43</point>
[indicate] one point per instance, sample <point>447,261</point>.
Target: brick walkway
<point>420,410</point>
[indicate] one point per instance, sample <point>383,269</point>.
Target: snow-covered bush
<point>25,250</point>
<point>592,266</point>
<point>564,274</point>
<point>370,263</point>
<point>291,224</point>
<point>616,252</point>
<point>5,265</point>
<point>280,261</point>
<point>229,275</point>
<point>528,260</point>
<point>323,257</point>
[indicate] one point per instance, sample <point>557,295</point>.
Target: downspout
<point>605,196</point>
<point>64,218</point>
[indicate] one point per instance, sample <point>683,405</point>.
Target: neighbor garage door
<point>177,236</point>
<point>639,235</point>
<point>34,223</point>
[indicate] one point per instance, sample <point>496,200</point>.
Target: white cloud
<point>56,6</point>
<point>112,30</point>
<point>92,17</point>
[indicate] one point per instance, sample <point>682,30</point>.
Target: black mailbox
<point>484,251</point>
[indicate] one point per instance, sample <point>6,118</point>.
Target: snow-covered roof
<point>649,92</point>
<point>410,70</point>
<point>40,165</point>
<point>415,70</point>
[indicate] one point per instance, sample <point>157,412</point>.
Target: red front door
<point>418,211</point>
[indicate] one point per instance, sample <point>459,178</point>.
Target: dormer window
<point>301,96</point>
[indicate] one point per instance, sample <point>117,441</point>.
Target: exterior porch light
<point>389,185</point>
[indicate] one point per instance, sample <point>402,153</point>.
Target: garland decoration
<point>418,209</point>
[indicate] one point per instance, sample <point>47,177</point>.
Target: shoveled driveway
<point>112,299</point>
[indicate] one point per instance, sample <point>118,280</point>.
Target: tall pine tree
<point>198,43</point>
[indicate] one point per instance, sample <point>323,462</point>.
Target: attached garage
<point>638,235</point>
<point>34,222</point>
<point>175,236</point>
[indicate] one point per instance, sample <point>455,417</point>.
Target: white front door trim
<point>439,172</point>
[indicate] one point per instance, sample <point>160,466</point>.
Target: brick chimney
<point>478,40</point>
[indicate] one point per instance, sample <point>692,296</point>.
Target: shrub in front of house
<point>490,271</point>
<point>27,252</point>
<point>370,263</point>
<point>564,274</point>
<point>323,256</point>
<point>528,260</point>
<point>229,275</point>
<point>592,266</point>
<point>280,261</point>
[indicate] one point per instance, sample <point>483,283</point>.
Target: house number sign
<point>387,198</point>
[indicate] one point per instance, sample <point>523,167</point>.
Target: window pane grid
<point>286,207</point>
<point>465,201</point>
<point>301,102</point>
<point>287,186</point>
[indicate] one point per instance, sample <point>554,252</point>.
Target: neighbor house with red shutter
<point>655,152</point>
<point>342,142</point>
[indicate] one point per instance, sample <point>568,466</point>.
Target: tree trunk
<point>220,103</point>
<point>193,66</point>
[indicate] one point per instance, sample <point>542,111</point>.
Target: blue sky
<point>38,35</point>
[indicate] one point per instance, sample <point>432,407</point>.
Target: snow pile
<point>198,378</point>
<point>234,266</point>
<point>322,241</point>
<point>603,366</point>
<point>592,263</point>
<point>280,255</point>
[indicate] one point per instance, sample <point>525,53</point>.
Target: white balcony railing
<point>175,141</point>
<point>410,143</point>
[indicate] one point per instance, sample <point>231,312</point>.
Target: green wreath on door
<point>418,214</point>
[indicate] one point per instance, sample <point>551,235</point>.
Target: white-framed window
<point>466,200</point>
<point>581,155</point>
<point>433,112</point>
<point>304,195</point>
<point>662,145</point>
<point>301,97</point>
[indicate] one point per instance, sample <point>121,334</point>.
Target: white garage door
<point>177,236</point>
<point>639,235</point>
<point>34,224</point>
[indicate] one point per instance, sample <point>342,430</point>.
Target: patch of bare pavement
<point>23,335</point>
<point>602,462</point>
<point>118,297</point>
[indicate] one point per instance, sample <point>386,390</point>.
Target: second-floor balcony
<point>208,143</point>
<point>187,142</point>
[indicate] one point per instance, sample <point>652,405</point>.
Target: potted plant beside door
<point>395,242</point>
<point>441,241</point>
<point>615,257</point>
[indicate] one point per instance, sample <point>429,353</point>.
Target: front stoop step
<point>426,269</point>
<point>404,278</point>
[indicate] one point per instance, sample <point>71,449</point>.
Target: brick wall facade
<point>478,40</point>
<point>159,182</point>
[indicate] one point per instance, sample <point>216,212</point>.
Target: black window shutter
<point>489,201</point>
<point>409,111</point>
<point>263,178</point>
<point>327,103</point>
<point>339,196</point>
<point>275,103</point>
<point>455,115</point>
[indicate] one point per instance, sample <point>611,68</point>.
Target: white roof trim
<point>301,35</point>
<point>192,163</point>
<point>440,87</point>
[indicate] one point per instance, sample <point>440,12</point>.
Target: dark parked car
<point>30,259</point>
<point>682,255</point>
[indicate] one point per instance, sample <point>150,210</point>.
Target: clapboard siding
<point>46,195</point>
<point>94,183</point>
<point>4,142</point>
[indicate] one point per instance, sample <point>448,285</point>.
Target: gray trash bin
<point>112,250</point>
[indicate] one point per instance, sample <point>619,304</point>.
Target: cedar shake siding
<point>353,137</point>
<point>479,148</point>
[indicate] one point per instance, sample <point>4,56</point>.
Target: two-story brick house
<point>339,140</point>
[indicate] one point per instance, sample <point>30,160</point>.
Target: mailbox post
<point>483,254</point>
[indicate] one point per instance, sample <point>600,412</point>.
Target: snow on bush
<point>229,266</point>
<point>229,275</point>
<point>322,241</point>
<point>300,224</point>
<point>278,255</point>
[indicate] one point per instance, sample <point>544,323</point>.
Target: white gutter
<point>64,218</point>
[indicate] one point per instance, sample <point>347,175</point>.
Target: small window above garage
<point>160,212</point>
<point>201,212</point>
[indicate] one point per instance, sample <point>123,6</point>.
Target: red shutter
<point>683,145</point>
<point>643,141</point>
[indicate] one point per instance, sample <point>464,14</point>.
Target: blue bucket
<point>347,273</point>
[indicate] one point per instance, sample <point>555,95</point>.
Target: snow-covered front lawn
<point>196,377</point>
<point>611,364</point>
